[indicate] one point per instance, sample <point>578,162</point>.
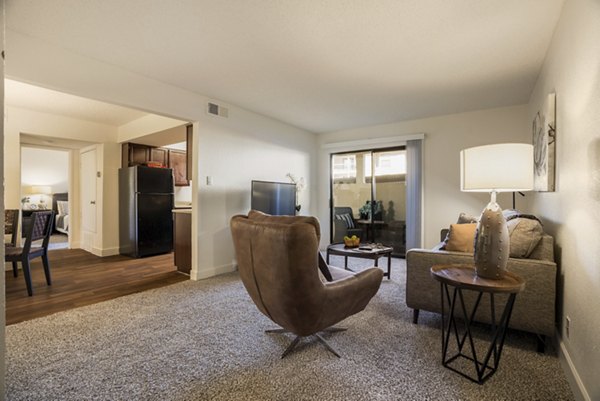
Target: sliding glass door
<point>369,197</point>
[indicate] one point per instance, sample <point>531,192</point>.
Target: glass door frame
<point>373,180</point>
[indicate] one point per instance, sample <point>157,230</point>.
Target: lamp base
<point>492,244</point>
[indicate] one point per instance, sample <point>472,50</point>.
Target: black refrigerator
<point>145,211</point>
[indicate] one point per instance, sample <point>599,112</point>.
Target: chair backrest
<point>11,224</point>
<point>39,228</point>
<point>339,210</point>
<point>278,259</point>
<point>260,216</point>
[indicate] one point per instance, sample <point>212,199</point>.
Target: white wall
<point>183,194</point>
<point>54,126</point>
<point>41,124</point>
<point>445,136</point>
<point>2,206</point>
<point>111,162</point>
<point>45,167</point>
<point>233,156</point>
<point>145,125</point>
<point>232,150</point>
<point>572,213</point>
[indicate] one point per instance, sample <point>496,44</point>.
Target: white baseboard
<point>102,252</point>
<point>110,251</point>
<point>577,386</point>
<point>211,272</point>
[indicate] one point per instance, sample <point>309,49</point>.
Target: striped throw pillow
<point>347,219</point>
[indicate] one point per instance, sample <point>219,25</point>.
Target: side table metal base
<point>487,367</point>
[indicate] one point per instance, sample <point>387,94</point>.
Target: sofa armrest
<point>534,309</point>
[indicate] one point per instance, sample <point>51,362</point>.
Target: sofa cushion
<point>463,218</point>
<point>347,219</point>
<point>525,234</point>
<point>461,237</point>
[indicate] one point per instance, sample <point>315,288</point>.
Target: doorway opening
<point>368,189</point>
<point>45,186</point>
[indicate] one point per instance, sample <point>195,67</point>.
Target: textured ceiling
<point>31,97</point>
<point>319,65</point>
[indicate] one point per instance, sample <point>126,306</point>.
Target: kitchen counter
<point>183,210</point>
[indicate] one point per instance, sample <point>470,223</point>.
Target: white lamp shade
<point>504,167</point>
<point>40,190</point>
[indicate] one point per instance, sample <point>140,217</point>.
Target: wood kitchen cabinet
<point>189,146</point>
<point>178,162</point>
<point>182,240</point>
<point>134,154</point>
<point>160,155</point>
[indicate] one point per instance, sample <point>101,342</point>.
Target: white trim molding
<point>211,272</point>
<point>384,142</point>
<point>102,252</point>
<point>568,367</point>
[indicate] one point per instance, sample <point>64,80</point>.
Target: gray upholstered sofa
<point>534,309</point>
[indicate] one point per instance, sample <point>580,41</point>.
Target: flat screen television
<point>275,198</point>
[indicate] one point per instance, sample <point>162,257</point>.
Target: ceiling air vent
<point>217,110</point>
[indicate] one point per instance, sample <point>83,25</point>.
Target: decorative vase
<point>492,243</point>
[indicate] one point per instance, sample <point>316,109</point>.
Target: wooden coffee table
<point>375,254</point>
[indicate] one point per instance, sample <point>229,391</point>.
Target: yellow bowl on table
<point>351,242</point>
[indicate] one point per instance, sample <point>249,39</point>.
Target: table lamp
<point>505,167</point>
<point>42,191</point>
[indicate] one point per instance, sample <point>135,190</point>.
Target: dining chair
<point>11,225</point>
<point>39,229</point>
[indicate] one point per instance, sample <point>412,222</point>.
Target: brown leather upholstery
<point>278,257</point>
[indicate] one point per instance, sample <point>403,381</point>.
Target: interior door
<point>88,191</point>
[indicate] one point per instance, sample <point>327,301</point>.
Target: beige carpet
<point>205,341</point>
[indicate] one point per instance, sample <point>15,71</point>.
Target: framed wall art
<point>544,146</point>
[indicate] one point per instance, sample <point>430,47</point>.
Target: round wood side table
<point>461,278</point>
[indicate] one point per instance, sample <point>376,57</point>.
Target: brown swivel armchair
<point>278,262</point>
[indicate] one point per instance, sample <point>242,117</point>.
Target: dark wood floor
<point>80,278</point>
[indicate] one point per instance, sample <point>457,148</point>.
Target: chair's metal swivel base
<point>296,340</point>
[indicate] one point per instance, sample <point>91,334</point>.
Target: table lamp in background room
<point>505,167</point>
<point>42,191</point>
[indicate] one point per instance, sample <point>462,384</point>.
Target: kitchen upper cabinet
<point>178,162</point>
<point>160,155</point>
<point>134,154</point>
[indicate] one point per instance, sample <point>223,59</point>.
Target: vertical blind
<point>414,181</point>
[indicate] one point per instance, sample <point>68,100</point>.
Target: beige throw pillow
<point>461,237</point>
<point>524,234</point>
<point>463,218</point>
